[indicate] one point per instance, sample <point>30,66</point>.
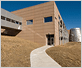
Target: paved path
<point>39,58</point>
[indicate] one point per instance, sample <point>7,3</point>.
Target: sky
<point>70,10</point>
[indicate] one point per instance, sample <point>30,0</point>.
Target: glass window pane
<point>58,17</point>
<point>29,22</point>
<point>17,22</point>
<point>2,17</point>
<point>20,23</point>
<point>48,19</point>
<point>7,19</point>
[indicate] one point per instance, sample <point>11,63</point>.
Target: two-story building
<point>41,23</point>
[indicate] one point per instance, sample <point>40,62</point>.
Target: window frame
<point>47,17</point>
<point>31,22</point>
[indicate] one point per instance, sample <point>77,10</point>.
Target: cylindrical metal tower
<point>75,34</point>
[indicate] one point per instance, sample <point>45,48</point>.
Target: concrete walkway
<point>39,58</point>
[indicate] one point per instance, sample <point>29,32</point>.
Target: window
<point>7,19</point>
<point>60,25</point>
<point>48,19</point>
<point>58,17</point>
<point>55,18</point>
<point>17,22</point>
<point>29,22</point>
<point>20,23</point>
<point>61,38</point>
<point>13,21</point>
<point>10,20</point>
<point>2,17</point>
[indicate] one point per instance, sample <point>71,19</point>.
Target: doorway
<point>50,39</point>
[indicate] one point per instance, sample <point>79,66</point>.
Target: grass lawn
<point>68,55</point>
<point>15,52</point>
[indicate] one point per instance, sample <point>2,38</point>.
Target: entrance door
<point>50,39</point>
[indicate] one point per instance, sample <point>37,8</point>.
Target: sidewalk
<point>39,58</point>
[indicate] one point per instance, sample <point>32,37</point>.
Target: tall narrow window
<point>29,22</point>
<point>47,19</point>
<point>58,17</point>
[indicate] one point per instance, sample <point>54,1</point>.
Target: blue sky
<point>69,10</point>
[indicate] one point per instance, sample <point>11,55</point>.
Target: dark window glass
<point>61,38</point>
<point>48,19</point>
<point>2,17</point>
<point>29,22</point>
<point>7,19</point>
<point>60,25</point>
<point>12,21</point>
<point>20,23</point>
<point>17,22</point>
<point>59,17</point>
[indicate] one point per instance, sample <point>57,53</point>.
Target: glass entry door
<point>50,39</point>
